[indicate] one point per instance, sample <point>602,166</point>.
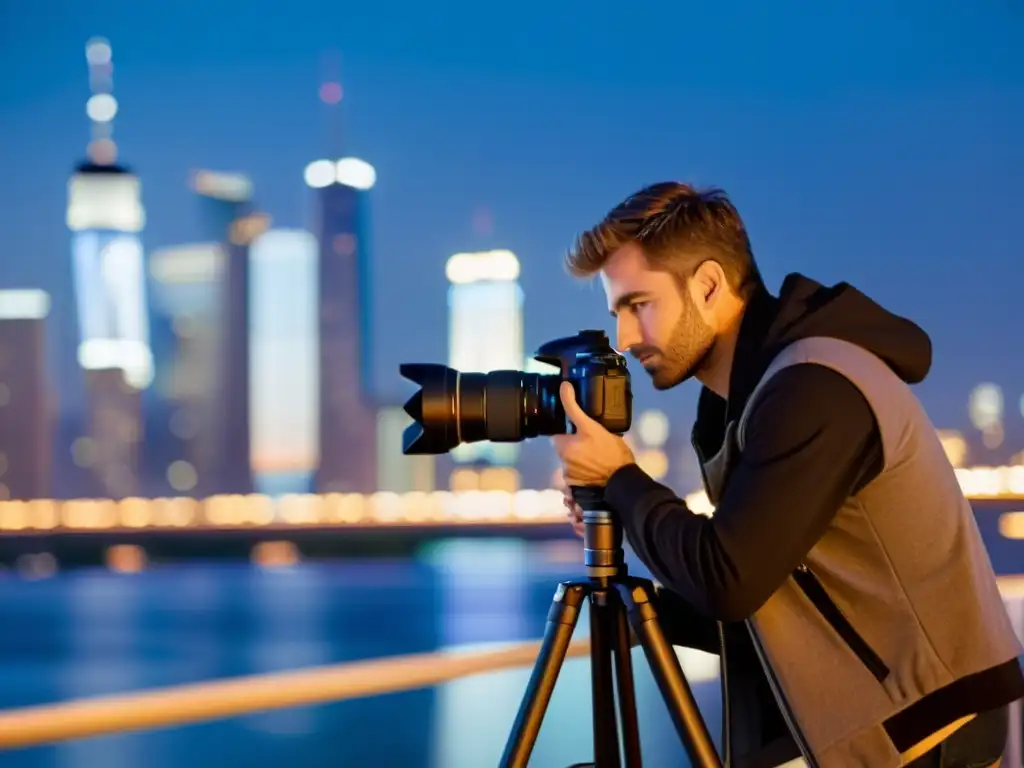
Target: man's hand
<point>575,513</point>
<point>593,454</point>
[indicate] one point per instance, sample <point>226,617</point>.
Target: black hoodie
<point>811,441</point>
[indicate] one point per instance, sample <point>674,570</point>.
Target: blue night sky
<point>877,142</point>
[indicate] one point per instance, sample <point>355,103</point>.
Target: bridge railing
<point>376,509</point>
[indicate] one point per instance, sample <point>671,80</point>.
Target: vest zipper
<point>780,699</point>
<point>812,587</point>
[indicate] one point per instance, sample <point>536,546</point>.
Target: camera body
<point>598,375</point>
<point>452,407</point>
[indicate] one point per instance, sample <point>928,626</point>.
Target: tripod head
<point>602,534</point>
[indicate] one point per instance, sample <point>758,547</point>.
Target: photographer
<point>843,565</point>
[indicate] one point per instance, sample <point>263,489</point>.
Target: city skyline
<point>225,229</point>
<point>797,155</point>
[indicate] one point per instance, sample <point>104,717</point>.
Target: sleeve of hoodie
<point>811,442</point>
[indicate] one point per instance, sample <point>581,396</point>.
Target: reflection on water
<point>103,656</point>
<point>287,633</point>
<point>483,589</point>
<point>92,632</point>
<point>88,633</point>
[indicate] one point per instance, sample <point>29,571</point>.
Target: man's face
<point>658,321</point>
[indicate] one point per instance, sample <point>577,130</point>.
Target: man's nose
<point>626,337</point>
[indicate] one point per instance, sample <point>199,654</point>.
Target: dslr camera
<point>510,406</point>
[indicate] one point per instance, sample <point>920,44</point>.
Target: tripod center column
<point>602,544</point>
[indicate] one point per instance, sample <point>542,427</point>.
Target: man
<point>842,551</point>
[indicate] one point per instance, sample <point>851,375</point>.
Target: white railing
<point>184,704</point>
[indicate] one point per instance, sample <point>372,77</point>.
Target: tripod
<point>617,601</point>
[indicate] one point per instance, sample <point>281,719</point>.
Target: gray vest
<point>897,599</point>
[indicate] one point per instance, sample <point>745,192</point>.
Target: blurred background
<point>224,226</point>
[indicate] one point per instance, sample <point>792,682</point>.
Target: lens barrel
<point>501,406</point>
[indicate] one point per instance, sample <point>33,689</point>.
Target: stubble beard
<point>691,344</point>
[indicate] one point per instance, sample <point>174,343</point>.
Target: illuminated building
<point>348,426</point>
<point>26,415</point>
<point>229,218</point>
<point>185,288</point>
<point>397,472</point>
<point>284,376</point>
<point>105,215</point>
<point>485,330</point>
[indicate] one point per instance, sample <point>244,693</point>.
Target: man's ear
<point>707,284</point>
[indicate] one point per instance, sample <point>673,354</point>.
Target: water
<point>91,632</point>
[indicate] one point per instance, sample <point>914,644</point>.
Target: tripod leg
<point>636,594</point>
<point>624,684</point>
<point>562,618</point>
<point>602,629</point>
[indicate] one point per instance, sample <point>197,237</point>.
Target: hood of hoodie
<point>806,308</point>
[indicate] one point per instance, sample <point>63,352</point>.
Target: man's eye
<point>638,305</point>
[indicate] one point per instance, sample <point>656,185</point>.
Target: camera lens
<point>543,413</point>
<point>502,406</point>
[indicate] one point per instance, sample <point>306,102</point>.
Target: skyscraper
<point>347,409</point>
<point>284,373</point>
<point>485,330</point>
<point>224,199</point>
<point>105,216</point>
<point>230,219</point>
<point>186,285</point>
<point>26,411</point>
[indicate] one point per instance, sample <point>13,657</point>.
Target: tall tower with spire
<point>106,217</point>
<point>340,189</point>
